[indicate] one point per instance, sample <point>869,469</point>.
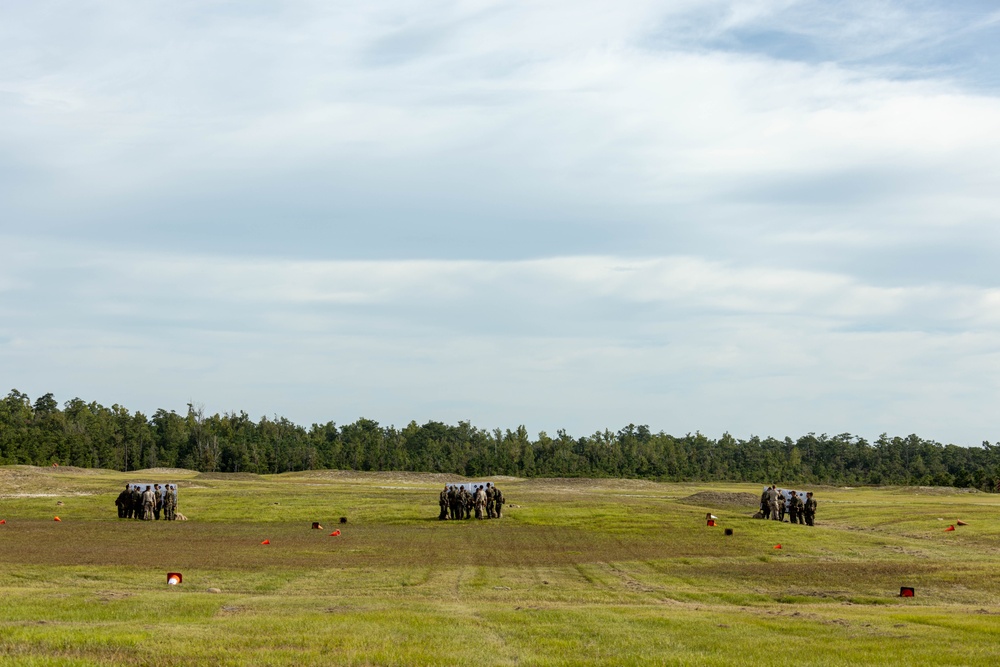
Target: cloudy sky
<point>765,217</point>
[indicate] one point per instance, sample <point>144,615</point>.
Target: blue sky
<point>764,217</point>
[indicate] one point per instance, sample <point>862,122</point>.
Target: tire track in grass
<point>489,633</point>
<point>460,572</point>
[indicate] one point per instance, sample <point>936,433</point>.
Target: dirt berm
<point>721,499</point>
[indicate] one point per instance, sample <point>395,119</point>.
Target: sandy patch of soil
<point>721,499</point>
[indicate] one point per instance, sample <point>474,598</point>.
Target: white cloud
<point>583,342</point>
<point>571,213</point>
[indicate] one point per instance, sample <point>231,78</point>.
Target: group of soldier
<point>147,505</point>
<point>776,503</point>
<point>485,501</point>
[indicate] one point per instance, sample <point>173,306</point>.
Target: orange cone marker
<point>3,521</point>
<point>266,542</point>
<point>949,529</point>
<point>335,533</point>
<point>56,519</point>
<point>174,578</point>
<point>777,546</point>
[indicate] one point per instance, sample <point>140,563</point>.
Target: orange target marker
<point>3,521</point>
<point>174,578</point>
<point>266,542</point>
<point>335,533</point>
<point>56,519</point>
<point>777,546</point>
<point>949,529</point>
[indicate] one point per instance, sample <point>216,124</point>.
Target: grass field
<point>581,572</point>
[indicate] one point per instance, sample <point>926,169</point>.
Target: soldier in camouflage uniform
<point>794,508</point>
<point>498,502</point>
<point>170,503</point>
<point>490,499</point>
<point>157,501</point>
<point>467,503</point>
<point>810,509</point>
<point>443,504</point>
<point>455,503</point>
<point>480,502</point>
<point>136,503</point>
<point>122,502</point>
<point>773,500</point>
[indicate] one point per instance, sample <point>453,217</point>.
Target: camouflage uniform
<point>773,500</point>
<point>794,505</point>
<point>148,503</point>
<point>810,509</point>
<point>136,503</point>
<point>466,503</point>
<point>455,502</point>
<point>157,501</point>
<point>169,503</point>
<point>498,502</point>
<point>480,503</point>
<point>443,504</point>
<point>490,500</point>
<point>122,502</point>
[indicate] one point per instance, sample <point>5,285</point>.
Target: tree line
<point>90,435</point>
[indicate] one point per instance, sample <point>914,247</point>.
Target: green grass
<point>583,572</point>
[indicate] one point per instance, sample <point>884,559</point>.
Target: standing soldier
<point>810,509</point>
<point>443,503</point>
<point>794,505</point>
<point>765,504</point>
<point>172,494</point>
<point>167,497</point>
<point>122,502</point>
<point>136,502</point>
<point>498,502</point>
<point>455,502</point>
<point>466,503</point>
<point>157,501</point>
<point>490,499</point>
<point>772,502</point>
<point>480,502</point>
<point>148,502</point>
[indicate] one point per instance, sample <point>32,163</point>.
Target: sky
<point>761,217</point>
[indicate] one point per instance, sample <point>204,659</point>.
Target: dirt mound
<point>165,471</point>
<point>231,476</point>
<point>721,499</point>
<point>936,490</point>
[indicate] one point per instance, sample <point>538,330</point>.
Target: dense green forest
<point>92,435</point>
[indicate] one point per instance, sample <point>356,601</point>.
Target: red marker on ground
<point>335,533</point>
<point>266,542</point>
